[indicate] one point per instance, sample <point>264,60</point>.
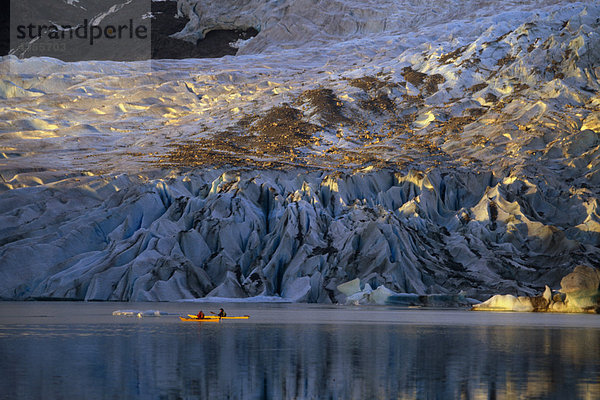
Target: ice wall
<point>292,234</point>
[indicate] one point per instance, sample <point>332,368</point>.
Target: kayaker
<point>200,315</point>
<point>222,313</point>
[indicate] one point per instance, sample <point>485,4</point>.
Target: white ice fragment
<point>506,302</point>
<point>138,313</point>
<point>349,288</point>
<point>128,313</point>
<point>380,295</point>
<point>356,298</point>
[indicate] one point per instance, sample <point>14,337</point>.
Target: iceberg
<point>579,292</point>
<point>349,288</point>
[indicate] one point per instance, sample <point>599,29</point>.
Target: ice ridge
<point>291,234</point>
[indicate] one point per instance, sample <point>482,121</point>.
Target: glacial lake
<point>68,350</point>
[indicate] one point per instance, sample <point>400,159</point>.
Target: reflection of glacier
<point>289,234</point>
<point>302,361</point>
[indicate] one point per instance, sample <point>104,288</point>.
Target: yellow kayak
<point>199,319</point>
<point>216,317</point>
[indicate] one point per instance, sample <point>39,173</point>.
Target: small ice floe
<point>139,314</point>
<point>355,295</point>
<point>579,293</point>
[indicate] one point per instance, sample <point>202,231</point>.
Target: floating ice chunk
<point>139,314</point>
<point>127,313</point>
<point>505,302</point>
<point>357,298</point>
<point>580,292</point>
<point>381,295</point>
<point>350,287</point>
<point>582,288</point>
<point>583,278</point>
<point>354,295</point>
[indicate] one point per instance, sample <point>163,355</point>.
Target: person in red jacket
<point>200,315</point>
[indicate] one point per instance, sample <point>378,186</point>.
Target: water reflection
<point>298,361</point>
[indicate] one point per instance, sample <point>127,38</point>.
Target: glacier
<point>443,150</point>
<point>292,234</point>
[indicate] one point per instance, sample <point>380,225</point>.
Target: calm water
<point>82,351</point>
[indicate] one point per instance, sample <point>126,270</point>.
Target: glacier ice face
<point>293,234</point>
